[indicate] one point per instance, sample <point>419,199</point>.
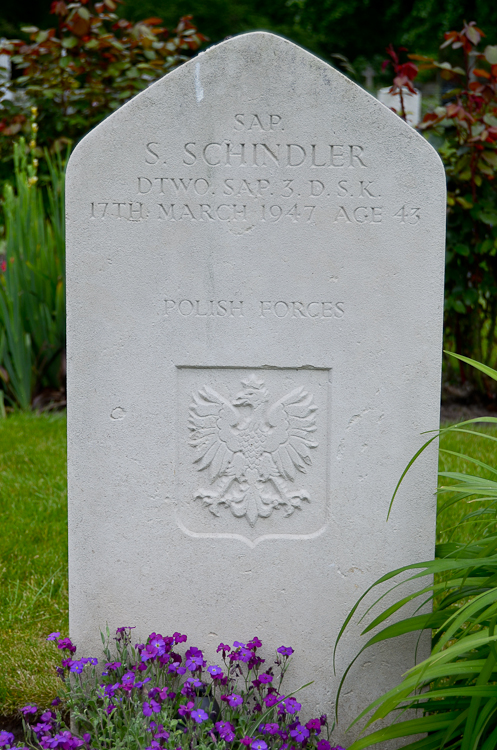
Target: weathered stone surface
<point>254,287</point>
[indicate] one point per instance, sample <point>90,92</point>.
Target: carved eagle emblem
<point>252,451</point>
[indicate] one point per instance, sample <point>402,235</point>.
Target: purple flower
<point>175,667</point>
<point>66,643</point>
<point>31,709</point>
<point>186,710</point>
<point>285,650</point>
<point>214,671</point>
<point>224,648</point>
<point>314,724</point>
<point>258,745</point>
<point>271,728</point>
<point>56,701</point>
<point>290,705</point>
<point>152,707</point>
<point>194,659</point>
<point>6,738</point>
<point>300,733</point>
<point>149,652</point>
<point>254,643</point>
<point>53,636</point>
<point>324,745</point>
<point>111,666</point>
<point>41,727</point>
<point>226,730</point>
<point>122,635</point>
<point>128,677</point>
<point>234,700</point>
<point>77,666</point>
<point>199,715</point>
<point>110,690</point>
<point>161,733</point>
<point>246,740</point>
<point>265,678</point>
<point>63,740</point>
<point>272,699</point>
<point>178,638</point>
<point>193,663</point>
<point>159,644</point>
<point>323,719</point>
<point>194,682</point>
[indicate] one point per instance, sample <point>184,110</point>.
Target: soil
<point>461,402</point>
<point>13,724</point>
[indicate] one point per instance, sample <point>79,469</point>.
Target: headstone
<point>255,251</point>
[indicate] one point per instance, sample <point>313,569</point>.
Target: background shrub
<point>84,68</point>
<point>32,281</point>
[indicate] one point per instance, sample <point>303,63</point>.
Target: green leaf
<point>490,53</point>
<point>490,157</point>
<point>69,42</point>
<point>405,729</point>
<point>477,365</point>
<point>41,37</point>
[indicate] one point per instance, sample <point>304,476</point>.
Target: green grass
<point>449,526</point>
<point>33,546</point>
<point>33,555</point>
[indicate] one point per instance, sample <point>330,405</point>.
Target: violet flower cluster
<point>163,695</point>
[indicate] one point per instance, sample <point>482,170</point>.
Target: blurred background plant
<point>93,60</point>
<point>83,69</point>
<point>32,280</point>
<point>454,690</point>
<point>66,79</point>
<point>464,130</point>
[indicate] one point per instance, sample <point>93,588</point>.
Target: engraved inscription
<point>198,308</point>
<point>256,176</point>
<point>252,451</point>
<point>319,310</point>
<point>279,309</point>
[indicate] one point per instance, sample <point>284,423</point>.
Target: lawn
<point>33,555</point>
<point>33,546</point>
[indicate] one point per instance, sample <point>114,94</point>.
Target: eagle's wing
<point>211,423</point>
<point>293,420</point>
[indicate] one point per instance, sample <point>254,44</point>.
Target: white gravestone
<point>254,284</point>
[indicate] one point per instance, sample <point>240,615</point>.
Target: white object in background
<point>5,69</point>
<point>412,103</point>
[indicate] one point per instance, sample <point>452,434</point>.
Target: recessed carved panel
<point>252,453</point>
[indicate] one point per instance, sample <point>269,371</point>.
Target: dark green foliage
<point>355,28</point>
<point>465,132</point>
<point>83,68</point>
<point>32,282</point>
